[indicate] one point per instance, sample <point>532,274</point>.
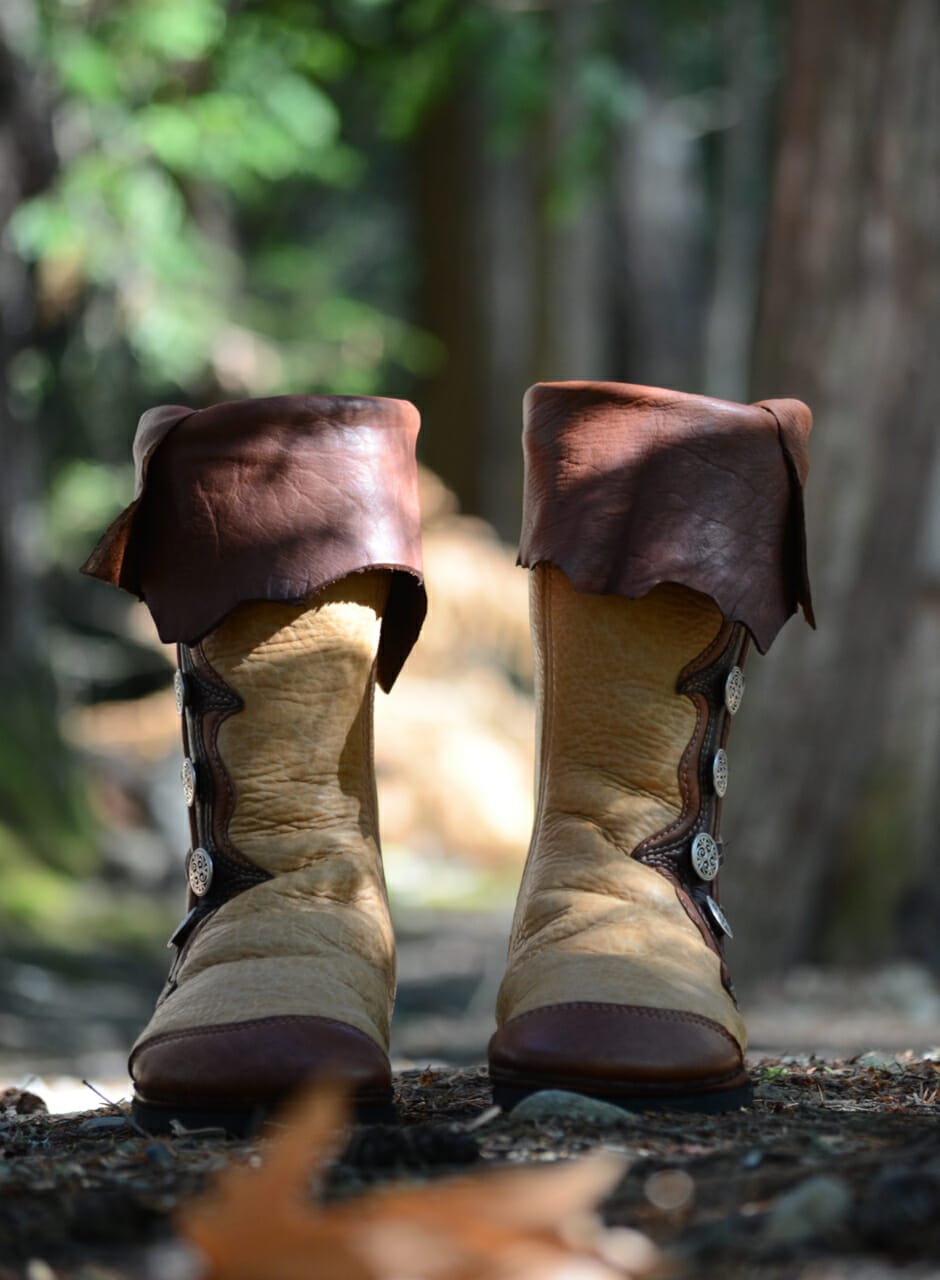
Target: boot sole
<point>738,1093</point>
<point>243,1122</point>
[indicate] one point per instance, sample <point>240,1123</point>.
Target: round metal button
<point>734,690</point>
<point>188,776</point>
<point>179,689</point>
<point>719,916</point>
<point>720,771</point>
<point>199,871</point>
<point>706,856</point>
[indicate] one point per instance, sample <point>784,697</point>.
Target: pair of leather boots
<point>277,543</point>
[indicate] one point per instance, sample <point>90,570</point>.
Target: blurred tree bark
<point>450,198</point>
<point>659,205</point>
<point>514,280</point>
<point>570,306</point>
<point>26,167</point>
<point>743,181</point>
<point>833,825</point>
<point>39,801</point>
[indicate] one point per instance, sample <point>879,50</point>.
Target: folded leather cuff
<point>270,499</point>
<point>627,487</point>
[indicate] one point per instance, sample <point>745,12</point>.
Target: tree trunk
<point>659,200</point>
<point>570,303</point>
<point>832,821</point>
<point>41,813</point>
<point>743,179</point>
<point>26,165</point>
<point>514,271</point>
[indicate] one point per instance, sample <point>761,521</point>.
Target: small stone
<point>879,1061</point>
<point>101,1124</point>
<point>174,1260</point>
<point>669,1190</point>
<point>813,1208</point>
<point>559,1104</point>
<point>37,1269</point>
<point>159,1155</point>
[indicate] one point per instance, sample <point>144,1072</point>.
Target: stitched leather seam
<point>220,772</point>
<point>710,654</point>
<point>656,846</point>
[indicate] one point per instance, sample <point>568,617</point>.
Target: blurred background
<point>210,199</point>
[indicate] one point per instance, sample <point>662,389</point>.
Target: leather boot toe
<point>631,1055</point>
<point>254,1065</point>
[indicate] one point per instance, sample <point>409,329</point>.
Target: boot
<point>664,532</point>
<point>277,542</point>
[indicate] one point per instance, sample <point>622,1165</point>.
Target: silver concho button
<point>199,871</point>
<point>734,690</point>
<point>706,856</point>
<point>720,772</point>
<point>188,777</point>
<point>719,916</point>
<point>179,689</point>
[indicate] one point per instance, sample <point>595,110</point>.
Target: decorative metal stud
<point>199,871</point>
<point>706,856</point>
<point>188,777</point>
<point>179,690</point>
<point>719,916</point>
<point>720,772</point>
<point>734,690</point>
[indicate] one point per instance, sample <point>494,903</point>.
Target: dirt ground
<point>833,1173</point>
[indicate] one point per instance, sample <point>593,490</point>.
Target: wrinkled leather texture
<point>252,1063</point>
<point>593,924</point>
<point>314,940</point>
<point>270,499</point>
<point>627,487</point>
<point>664,1049</point>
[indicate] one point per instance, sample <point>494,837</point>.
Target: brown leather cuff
<point>270,499</point>
<point>627,487</point>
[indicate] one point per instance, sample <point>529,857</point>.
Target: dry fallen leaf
<point>511,1224</point>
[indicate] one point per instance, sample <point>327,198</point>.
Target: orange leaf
<point>509,1224</point>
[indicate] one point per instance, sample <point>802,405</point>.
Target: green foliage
<point>83,499</point>
<point>231,215</point>
<point>773,1075</point>
<point>41,799</point>
<point>190,128</point>
<point>204,145</point>
<point>32,892</point>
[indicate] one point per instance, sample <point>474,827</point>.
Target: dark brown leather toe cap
<point>250,1064</point>
<point>612,1050</point>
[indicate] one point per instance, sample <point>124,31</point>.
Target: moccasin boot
<point>664,532</point>
<point>277,542</point>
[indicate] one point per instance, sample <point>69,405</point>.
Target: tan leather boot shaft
<point>592,922</point>
<point>308,951</point>
<point>315,939</point>
<point>663,530</point>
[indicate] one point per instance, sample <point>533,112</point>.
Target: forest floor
<point>833,1173</point>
